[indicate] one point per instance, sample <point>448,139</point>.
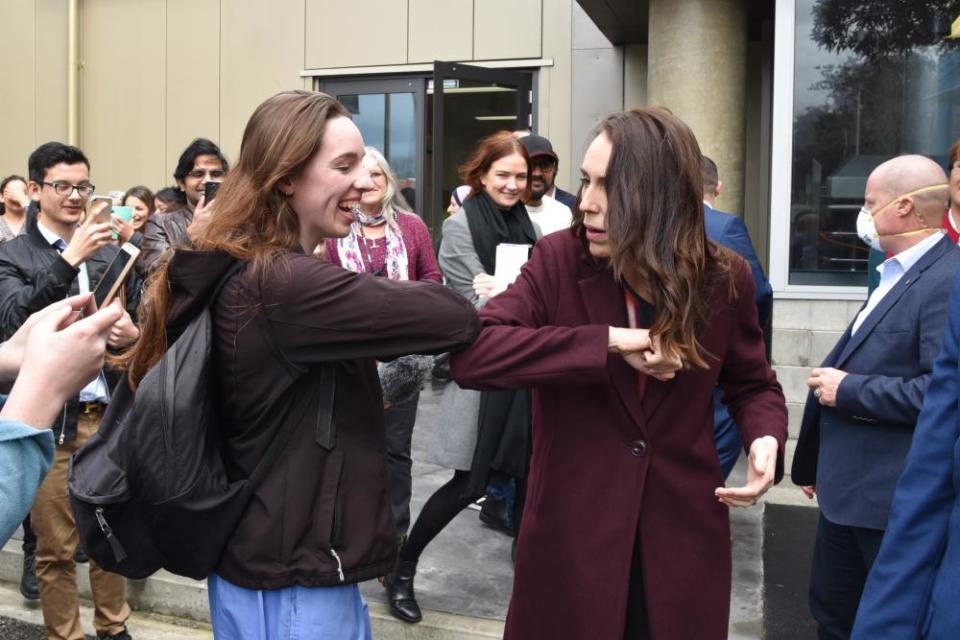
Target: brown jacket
<point>321,517</point>
<point>161,233</point>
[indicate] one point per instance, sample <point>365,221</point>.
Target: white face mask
<point>867,226</point>
<point>867,229</point>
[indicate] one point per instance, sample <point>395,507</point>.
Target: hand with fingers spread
<point>761,471</point>
<point>88,238</point>
<point>62,353</point>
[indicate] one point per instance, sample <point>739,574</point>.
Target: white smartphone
<point>115,275</point>
<point>101,207</point>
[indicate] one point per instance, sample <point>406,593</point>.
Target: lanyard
<point>632,321</point>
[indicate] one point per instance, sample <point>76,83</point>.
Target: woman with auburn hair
<point>471,445</point>
<point>622,328</point>
<point>386,240</point>
<point>295,339</point>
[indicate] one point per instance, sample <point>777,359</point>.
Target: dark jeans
<point>842,557</point>
<point>399,419</point>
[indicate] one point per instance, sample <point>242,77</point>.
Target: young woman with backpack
<point>295,339</point>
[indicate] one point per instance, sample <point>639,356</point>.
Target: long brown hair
<point>495,146</point>
<point>252,218</point>
<point>655,225</point>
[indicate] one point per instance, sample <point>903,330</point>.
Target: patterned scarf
<point>352,255</point>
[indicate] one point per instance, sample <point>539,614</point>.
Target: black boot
<point>399,586</point>
<point>28,580</point>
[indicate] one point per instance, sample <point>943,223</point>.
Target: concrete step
<point>169,607</point>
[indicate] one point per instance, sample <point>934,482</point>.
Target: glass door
<point>390,115</point>
<point>468,104</point>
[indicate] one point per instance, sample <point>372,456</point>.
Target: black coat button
<point>638,448</point>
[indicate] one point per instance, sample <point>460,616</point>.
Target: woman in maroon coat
<point>626,533</point>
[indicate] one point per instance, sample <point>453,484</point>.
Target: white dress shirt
<point>892,270</point>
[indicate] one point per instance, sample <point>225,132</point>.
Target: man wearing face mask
<point>865,398</point>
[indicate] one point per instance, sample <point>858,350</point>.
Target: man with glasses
<point>865,398</point>
<point>64,252</point>
<point>200,162</point>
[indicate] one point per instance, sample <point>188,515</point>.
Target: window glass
<point>873,79</point>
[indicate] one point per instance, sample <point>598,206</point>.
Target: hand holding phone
<point>210,190</point>
<point>115,275</point>
<point>87,239</point>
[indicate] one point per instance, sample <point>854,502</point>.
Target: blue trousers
<point>293,613</point>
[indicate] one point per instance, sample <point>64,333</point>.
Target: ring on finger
<point>816,393</point>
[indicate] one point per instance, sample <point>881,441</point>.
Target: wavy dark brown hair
<point>253,220</point>
<point>655,227</point>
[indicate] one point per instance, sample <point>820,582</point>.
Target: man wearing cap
<point>548,212</point>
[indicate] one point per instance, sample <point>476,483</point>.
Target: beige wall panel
<point>506,29</point>
<point>356,34</point>
<point>121,102</point>
<point>18,52</point>
<point>51,71</point>
<point>192,92</point>
<point>261,54</point>
<point>555,87</point>
<point>437,30</point>
<point>634,76</point>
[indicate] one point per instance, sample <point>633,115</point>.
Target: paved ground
<point>466,571</point>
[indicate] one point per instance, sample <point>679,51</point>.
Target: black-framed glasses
<point>214,174</point>
<point>84,189</point>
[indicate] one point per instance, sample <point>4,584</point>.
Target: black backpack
<point>150,489</point>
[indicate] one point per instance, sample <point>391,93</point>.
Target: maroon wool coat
<point>611,469</point>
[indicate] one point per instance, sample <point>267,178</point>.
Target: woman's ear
<point>285,185</point>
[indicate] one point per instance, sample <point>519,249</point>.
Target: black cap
<point>538,146</point>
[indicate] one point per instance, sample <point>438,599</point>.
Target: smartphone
<point>102,208</point>
<point>210,191</point>
<point>125,214</point>
<point>115,275</point>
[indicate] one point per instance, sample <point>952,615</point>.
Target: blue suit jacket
<point>913,586</point>
<point>730,231</point>
<point>854,452</point>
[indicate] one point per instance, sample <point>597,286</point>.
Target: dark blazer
<point>34,275</point>
<point>730,231</point>
<point>913,586</point>
<point>565,197</point>
<point>854,452</point>
<point>611,458</point>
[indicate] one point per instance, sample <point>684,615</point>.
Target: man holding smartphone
<point>63,253</point>
<point>201,162</point>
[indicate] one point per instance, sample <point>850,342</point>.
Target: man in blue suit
<point>730,231</point>
<point>865,399</point>
<point>913,586</point>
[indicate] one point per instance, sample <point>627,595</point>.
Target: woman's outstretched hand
<point>761,470</point>
<point>643,353</point>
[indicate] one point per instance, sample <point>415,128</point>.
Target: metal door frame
<point>459,71</point>
<point>415,84</point>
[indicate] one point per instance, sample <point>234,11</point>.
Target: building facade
<point>796,100</point>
